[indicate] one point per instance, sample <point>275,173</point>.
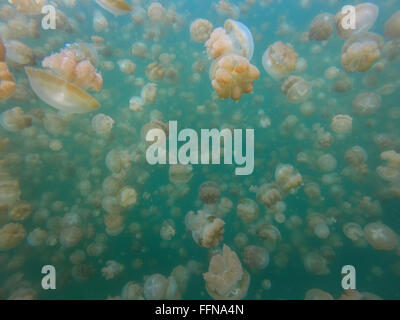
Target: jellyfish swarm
<point>232,48</point>
<point>226,279</point>
<point>279,60</point>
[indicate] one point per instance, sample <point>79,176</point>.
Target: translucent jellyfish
<point>48,87</point>
<point>112,270</point>
<point>341,123</point>
<point>15,119</point>
<point>316,263</point>
<point>240,35</point>
<point>180,173</point>
<point>158,287</point>
<point>116,7</point>
<point>353,231</point>
<point>18,54</point>
<point>114,161</point>
<point>256,258</point>
<point>268,194</point>
<point>380,236</point>
<point>392,26</point>
<point>127,66</point>
<point>225,8</point>
<point>127,197</point>
<point>331,73</point>
<point>279,60</point>
<point>155,71</point>
<point>71,236</point>
<point>156,12</point>
<point>11,234</point>
<point>232,75</point>
<point>287,177</point>
<point>20,211</point>
<point>114,224</point>
<point>209,192</point>
<point>296,89</point>
<point>136,104</point>
<point>318,294</point>
<point>207,230</point>
<point>219,44</point>
<point>322,27</point>
<point>366,14</point>
<point>361,51</point>
<point>366,103</point>
<point>132,291</point>
<point>247,210</point>
<point>9,193</point>
<point>100,22</point>
<point>200,30</point>
<point>327,162</point>
<point>149,93</point>
<point>269,232</point>
<point>167,231</point>
<point>37,237</point>
<point>102,124</point>
<point>226,279</point>
<point>7,82</point>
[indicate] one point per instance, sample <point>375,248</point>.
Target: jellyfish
<point>116,7</point>
<point>127,66</point>
<point>158,287</point>
<point>219,43</point>
<point>247,210</point>
<point>287,178</point>
<point>225,8</point>
<point>156,12</point>
<point>15,120</point>
<point>366,103</point>
<point>180,173</point>
<point>327,162</point>
<point>380,236</point>
<point>256,258</point>
<point>112,270</point>
<point>316,263</point>
<point>114,223</point>
<point>341,123</point>
<point>361,51</point>
<point>296,89</point>
<point>136,104</point>
<point>392,26</point>
<point>100,22</point>
<point>7,81</point>
<point>37,237</point>
<point>127,197</point>
<point>149,93</point>
<point>71,236</point>
<point>18,54</point>
<point>232,75</point>
<point>322,27</point>
<point>132,291</point>
<point>353,231</point>
<point>268,194</point>
<point>155,124</point>
<point>102,124</point>
<point>279,60</point>
<point>226,279</point>
<point>209,192</point>
<point>200,30</point>
<point>47,87</point>
<point>318,294</point>
<point>11,234</point>
<point>167,231</point>
<point>20,211</point>
<point>207,230</point>
<point>365,17</point>
<point>240,35</point>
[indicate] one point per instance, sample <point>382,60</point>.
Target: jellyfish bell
<point>366,103</point>
<point>200,30</point>
<point>242,39</point>
<point>365,17</point>
<point>116,7</point>
<point>7,82</point>
<point>279,60</point>
<point>392,26</point>
<point>296,89</point>
<point>322,27</point>
<point>59,93</point>
<point>15,119</point>
<point>380,236</point>
<point>361,51</point>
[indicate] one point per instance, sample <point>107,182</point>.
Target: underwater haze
<point>95,201</point>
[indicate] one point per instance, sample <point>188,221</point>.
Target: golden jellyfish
<point>114,224</point>
<point>380,236</point>
<point>136,103</point>
<point>18,54</point>
<point>155,124</point>
<point>225,8</point>
<point>20,211</point>
<point>116,7</point>
<point>207,230</point>
<point>127,197</point>
<point>11,234</point>
<point>9,192</point>
<point>155,71</point>
<point>102,124</point>
<point>70,236</point>
<point>15,119</point>
<point>219,44</point>
<point>155,287</point>
<point>180,173</point>
<point>167,231</point>
<point>156,12</point>
<point>327,162</point>
<point>149,93</point>
<point>209,192</point>
<point>316,263</point>
<point>226,279</point>
<point>127,66</point>
<point>296,89</point>
<point>361,51</point>
<point>28,6</point>
<point>318,294</point>
<point>247,210</point>
<point>200,30</point>
<point>7,81</point>
<point>279,60</point>
<point>232,75</point>
<point>256,258</point>
<point>365,17</point>
<point>287,177</point>
<point>392,26</point>
<point>112,270</point>
<point>269,232</point>
<point>37,237</point>
<point>268,194</point>
<point>341,123</point>
<point>132,291</point>
<point>48,87</point>
<point>322,27</point>
<point>331,73</point>
<point>353,231</point>
<point>366,103</point>
<point>100,22</point>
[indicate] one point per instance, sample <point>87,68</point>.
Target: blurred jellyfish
<point>365,17</point>
<point>392,26</point>
<point>136,104</point>
<point>316,263</point>
<point>207,230</point>
<point>180,173</point>
<point>209,192</point>
<point>366,103</point>
<point>318,294</point>
<point>127,197</point>
<point>112,270</point>
<point>116,7</point>
<point>268,194</point>
<point>361,51</point>
<point>158,287</point>
<point>37,237</point>
<point>71,236</point>
<point>15,119</point>
<point>18,54</point>
<point>149,93</point>
<point>287,177</point>
<point>102,124</point>
<point>322,27</point>
<point>247,210</point>
<point>132,291</point>
<point>296,89</point>
<point>156,12</point>
<point>279,60</point>
<point>327,162</point>
<point>341,123</point>
<point>127,66</point>
<point>20,211</point>
<point>380,236</point>
<point>200,30</point>
<point>256,258</point>
<point>114,224</point>
<point>100,22</point>
<point>226,279</point>
<point>353,231</point>
<point>167,231</point>
<point>11,234</point>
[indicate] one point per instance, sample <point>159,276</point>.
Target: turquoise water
<point>61,163</point>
